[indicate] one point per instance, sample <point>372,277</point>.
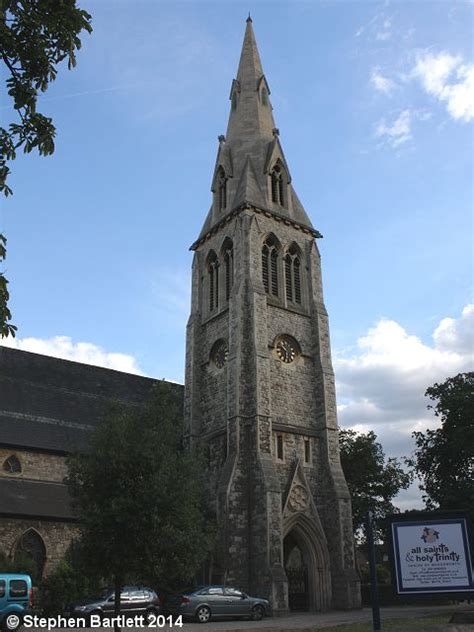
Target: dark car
<point>134,600</point>
<point>208,602</point>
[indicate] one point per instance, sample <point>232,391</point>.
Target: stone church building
<point>259,391</point>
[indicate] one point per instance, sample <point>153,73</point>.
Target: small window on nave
<point>12,465</point>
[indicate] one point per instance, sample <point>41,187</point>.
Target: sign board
<point>431,554</point>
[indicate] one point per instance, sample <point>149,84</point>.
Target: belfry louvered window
<point>213,274</point>
<point>270,266</point>
<point>221,189</point>
<point>228,252</point>
<point>278,182</point>
<point>293,276</point>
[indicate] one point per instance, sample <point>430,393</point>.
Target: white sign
<point>432,556</point>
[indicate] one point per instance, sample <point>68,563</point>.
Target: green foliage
<point>373,480</point>
<point>35,37</point>
<point>141,496</point>
<point>67,583</point>
<point>20,564</point>
<point>383,574</point>
<point>444,457</point>
<point>6,328</point>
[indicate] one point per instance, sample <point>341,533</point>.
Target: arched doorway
<point>31,546</point>
<point>296,570</point>
<point>306,561</point>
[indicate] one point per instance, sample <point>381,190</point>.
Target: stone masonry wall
<point>35,465</point>
<point>56,537</point>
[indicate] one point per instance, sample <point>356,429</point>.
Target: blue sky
<point>374,102</point>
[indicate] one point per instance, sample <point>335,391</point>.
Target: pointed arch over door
<point>31,545</point>
<point>301,532</point>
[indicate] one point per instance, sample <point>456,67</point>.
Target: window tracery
<point>221,189</point>
<point>12,465</point>
<point>213,275</point>
<point>278,183</point>
<point>270,253</point>
<point>293,275</point>
<point>31,545</point>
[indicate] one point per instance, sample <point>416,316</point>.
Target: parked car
<point>16,599</point>
<point>209,602</point>
<point>134,600</point>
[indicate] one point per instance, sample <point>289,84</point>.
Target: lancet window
<point>228,259</point>
<point>264,96</point>
<point>293,275</point>
<point>31,545</point>
<point>278,182</point>
<point>213,276</point>
<point>221,189</point>
<point>270,252</point>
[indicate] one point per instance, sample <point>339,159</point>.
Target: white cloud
<point>381,83</point>
<point>448,79</point>
<point>85,352</point>
<point>397,132</point>
<point>381,385</point>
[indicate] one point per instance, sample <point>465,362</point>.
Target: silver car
<point>208,602</point>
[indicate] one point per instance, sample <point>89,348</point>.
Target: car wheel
<point>203,614</point>
<point>257,613</point>
<point>151,612</point>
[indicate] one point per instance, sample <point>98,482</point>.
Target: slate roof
<point>35,499</point>
<point>52,405</point>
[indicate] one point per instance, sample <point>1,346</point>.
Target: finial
<point>249,19</point>
<point>221,138</point>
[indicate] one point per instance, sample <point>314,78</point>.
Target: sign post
<point>374,590</point>
<point>430,554</point>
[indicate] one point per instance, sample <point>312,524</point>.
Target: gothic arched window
<point>228,258</point>
<point>270,251</point>
<point>279,182</point>
<point>213,274</point>
<point>221,189</point>
<point>12,465</point>
<point>264,96</point>
<point>293,275</point>
<point>31,546</point>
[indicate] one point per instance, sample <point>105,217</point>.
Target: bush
<point>66,584</point>
<point>383,574</point>
<point>20,564</point>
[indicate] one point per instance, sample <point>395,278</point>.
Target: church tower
<point>259,393</point>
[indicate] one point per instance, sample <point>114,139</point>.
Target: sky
<point>375,106</point>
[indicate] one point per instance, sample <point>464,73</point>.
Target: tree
<point>373,480</point>
<point>35,37</point>
<point>140,496</point>
<point>444,457</point>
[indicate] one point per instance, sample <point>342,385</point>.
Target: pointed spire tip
<point>249,19</point>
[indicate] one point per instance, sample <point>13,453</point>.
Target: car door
<point>237,605</point>
<point>138,602</point>
<point>216,599</point>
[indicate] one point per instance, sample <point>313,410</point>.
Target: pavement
<point>317,620</point>
<point>313,621</point>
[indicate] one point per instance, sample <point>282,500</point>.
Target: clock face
<point>219,353</point>
<point>286,349</point>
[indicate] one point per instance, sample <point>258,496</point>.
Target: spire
<point>251,115</point>
<point>250,153</point>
